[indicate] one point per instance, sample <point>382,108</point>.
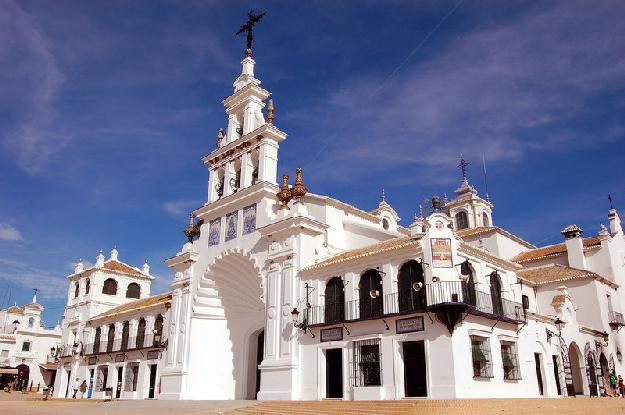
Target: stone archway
<point>230,295</point>
<point>575,358</point>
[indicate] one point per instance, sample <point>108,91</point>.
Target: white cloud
<point>180,207</point>
<point>29,88</point>
<point>9,233</point>
<point>49,284</point>
<point>522,85</point>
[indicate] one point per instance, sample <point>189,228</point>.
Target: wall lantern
<point>559,323</point>
<point>303,325</point>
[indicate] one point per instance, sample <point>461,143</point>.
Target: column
<point>232,129</point>
<point>228,173</point>
<point>246,169</point>
<point>268,161</point>
<point>273,311</point>
<point>212,193</point>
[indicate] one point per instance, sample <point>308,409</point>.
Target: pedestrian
<point>621,386</point>
<point>83,389</point>
<point>75,387</point>
<point>613,381</point>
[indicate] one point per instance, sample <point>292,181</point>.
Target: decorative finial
<point>463,167</point>
<point>420,211</point>
<point>284,195</point>
<point>191,231</point>
<point>299,190</point>
<point>220,137</point>
<point>146,268</point>
<point>445,200</point>
<point>382,197</point>
<point>270,112</point>
<point>79,267</point>
<point>99,261</point>
<point>436,203</point>
<point>248,28</point>
<point>35,295</point>
<point>114,253</point>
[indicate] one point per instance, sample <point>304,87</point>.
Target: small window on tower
<point>462,221</point>
<point>485,220</point>
<point>385,224</point>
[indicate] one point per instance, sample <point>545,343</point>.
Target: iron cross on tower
<point>463,166</point>
<point>248,28</point>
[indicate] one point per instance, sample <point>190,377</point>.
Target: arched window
<point>76,289</point>
<point>370,294</point>
<point>109,287</point>
<point>468,283</point>
<point>158,330</point>
<point>495,293</point>
<point>87,286</point>
<point>125,334</point>
<point>334,310</point>
<point>485,220</point>
<point>96,341</point>
<point>31,322</point>
<point>462,220</point>
<point>110,338</point>
<point>133,290</point>
<point>411,287</point>
<point>140,333</point>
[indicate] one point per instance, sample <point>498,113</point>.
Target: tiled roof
<point>553,250</point>
<point>121,267</point>
<point>135,305</point>
<point>15,310</point>
<point>480,230</point>
<point>379,247</point>
<point>558,299</point>
<point>558,273</point>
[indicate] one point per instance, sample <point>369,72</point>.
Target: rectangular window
<point>367,369</point>
<point>26,347</point>
<point>510,360</point>
<point>4,353</point>
<point>480,354</point>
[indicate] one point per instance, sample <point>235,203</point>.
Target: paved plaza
<point>18,404</point>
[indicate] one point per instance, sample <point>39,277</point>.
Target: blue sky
<point>107,107</point>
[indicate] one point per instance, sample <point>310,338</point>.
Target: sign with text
<point>333,334</point>
<point>441,252</point>
<point>93,360</point>
<point>120,357</point>
<point>409,325</point>
<point>152,354</point>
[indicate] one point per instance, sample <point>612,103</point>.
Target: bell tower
<point>247,153</point>
<point>468,209</point>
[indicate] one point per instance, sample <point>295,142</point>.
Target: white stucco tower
<point>226,321</point>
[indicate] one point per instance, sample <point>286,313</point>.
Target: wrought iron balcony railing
<point>429,298</point>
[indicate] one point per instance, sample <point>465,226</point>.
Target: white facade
<point>27,347</point>
<point>451,307</point>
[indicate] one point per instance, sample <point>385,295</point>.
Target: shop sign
<point>333,334</point>
<point>409,325</point>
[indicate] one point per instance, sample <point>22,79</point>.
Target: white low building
<point>285,294</point>
<point>27,348</point>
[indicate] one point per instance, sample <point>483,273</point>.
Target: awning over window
<point>8,371</point>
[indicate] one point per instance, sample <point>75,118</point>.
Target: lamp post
<point>303,325</point>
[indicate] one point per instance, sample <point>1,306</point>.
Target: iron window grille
<point>367,368</point>
<point>481,357</point>
<point>510,360</point>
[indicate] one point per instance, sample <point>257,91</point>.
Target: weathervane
<point>463,166</point>
<point>248,28</point>
<point>610,199</point>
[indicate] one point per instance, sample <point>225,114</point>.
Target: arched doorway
<point>576,371</point>
<point>230,300</point>
<point>495,293</point>
<point>370,294</point>
<point>411,287</point>
<point>605,373</point>
<point>592,375</point>
<point>23,375</point>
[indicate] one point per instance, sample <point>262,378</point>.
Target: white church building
<point>281,293</point>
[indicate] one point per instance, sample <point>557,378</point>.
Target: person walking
<point>83,389</point>
<point>621,386</point>
<point>613,381</point>
<point>75,386</point>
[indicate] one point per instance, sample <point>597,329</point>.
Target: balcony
<point>441,298</point>
<point>616,320</point>
<point>132,343</point>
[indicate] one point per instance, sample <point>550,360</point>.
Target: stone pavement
<point>18,404</point>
